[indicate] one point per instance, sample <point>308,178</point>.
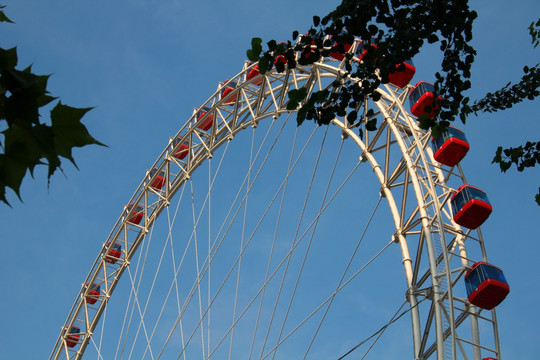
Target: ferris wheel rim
<point>188,133</point>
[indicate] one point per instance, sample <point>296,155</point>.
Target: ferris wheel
<point>287,242</point>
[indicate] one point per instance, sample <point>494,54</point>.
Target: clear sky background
<point>144,66</point>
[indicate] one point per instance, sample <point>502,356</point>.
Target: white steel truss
<point>436,252</point>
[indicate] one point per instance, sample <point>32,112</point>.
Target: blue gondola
<point>470,206</point>
<point>451,147</point>
<point>486,285</point>
<point>422,100</point>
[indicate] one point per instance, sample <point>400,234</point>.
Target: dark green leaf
<point>376,96</point>
<point>432,38</point>
<point>498,155</point>
<point>296,96</point>
<point>322,95</point>
<point>251,55</point>
<point>271,45</point>
<point>371,125</point>
<point>301,116</point>
<point>8,59</point>
<point>12,173</point>
<point>68,130</point>
<point>3,17</point>
<point>254,53</point>
<point>263,65</point>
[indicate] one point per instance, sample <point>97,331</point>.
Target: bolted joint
<point>426,293</point>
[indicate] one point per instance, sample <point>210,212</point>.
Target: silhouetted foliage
<point>26,141</point>
<point>399,28</point>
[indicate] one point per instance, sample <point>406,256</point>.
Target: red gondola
<point>93,293</point>
<point>254,75</point>
<point>229,98</point>
<point>73,337</point>
<point>470,206</point>
<point>363,49</point>
<point>307,53</point>
<point>489,359</point>
<point>450,147</point>
<point>207,123</point>
<point>423,101</point>
<point>486,285</point>
<point>158,182</point>
<point>137,215</point>
<point>281,58</point>
<point>182,150</point>
<point>114,254</point>
<point>346,47</point>
<point>402,78</point>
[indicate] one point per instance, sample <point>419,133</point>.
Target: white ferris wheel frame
<point>426,225</point>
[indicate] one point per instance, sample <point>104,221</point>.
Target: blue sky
<point>144,66</point>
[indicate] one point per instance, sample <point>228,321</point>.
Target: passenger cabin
<point>182,150</point>
<point>450,147</point>
<point>254,76</point>
<point>403,75</point>
<point>364,47</point>
<point>281,58</point>
<point>306,52</point>
<point>137,214</point>
<point>346,46</point>
<point>422,100</point>
<point>94,290</point>
<point>486,285</point>
<point>470,206</point>
<point>208,121</point>
<point>227,95</point>
<point>114,254</point>
<point>73,337</point>
<point>158,181</point>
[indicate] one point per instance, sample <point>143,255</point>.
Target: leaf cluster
<point>523,156</point>
<point>25,140</point>
<point>399,28</point>
<point>509,95</point>
<point>534,30</point>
